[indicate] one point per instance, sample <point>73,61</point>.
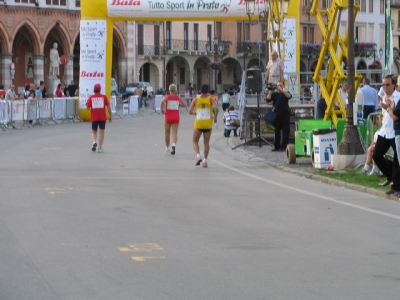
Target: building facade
<point>158,52</point>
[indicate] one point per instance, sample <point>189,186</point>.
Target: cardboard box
<point>325,145</point>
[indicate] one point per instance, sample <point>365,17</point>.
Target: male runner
<point>170,108</point>
<point>203,123</point>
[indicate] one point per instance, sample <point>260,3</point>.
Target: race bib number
<point>173,105</point>
<point>97,103</point>
<point>203,114</point>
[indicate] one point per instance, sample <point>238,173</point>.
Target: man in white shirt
<point>10,95</point>
<point>343,94</point>
<point>386,137</point>
<point>275,68</point>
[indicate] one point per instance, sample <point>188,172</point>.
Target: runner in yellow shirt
<point>201,107</point>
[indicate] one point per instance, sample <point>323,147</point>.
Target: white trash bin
<point>325,144</point>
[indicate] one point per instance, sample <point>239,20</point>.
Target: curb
<point>323,179</point>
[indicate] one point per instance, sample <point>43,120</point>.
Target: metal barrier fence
<point>16,113</point>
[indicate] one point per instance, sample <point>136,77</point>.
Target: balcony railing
<point>251,48</point>
<point>363,49</point>
<point>186,45</point>
<point>307,49</point>
<point>151,50</point>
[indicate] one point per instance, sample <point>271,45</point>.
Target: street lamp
<point>218,53</point>
<point>373,53</point>
<point>12,68</point>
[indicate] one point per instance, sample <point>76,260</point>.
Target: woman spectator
<point>187,97</point>
<point>230,114</point>
<point>307,96</point>
<point>122,91</point>
<point>145,95</point>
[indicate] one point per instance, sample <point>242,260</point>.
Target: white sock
<point>204,160</point>
<point>366,167</point>
<point>198,155</point>
<point>173,145</point>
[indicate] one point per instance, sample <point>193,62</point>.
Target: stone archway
<point>231,75</point>
<point>178,73</point>
<point>202,74</point>
<point>118,68</point>
<point>24,49</point>
<point>149,72</point>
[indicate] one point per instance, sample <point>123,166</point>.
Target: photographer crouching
<point>280,102</point>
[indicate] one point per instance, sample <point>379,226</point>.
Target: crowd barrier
<point>16,113</point>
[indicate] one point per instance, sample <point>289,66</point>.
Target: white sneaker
<point>374,172</point>
<point>99,150</point>
<point>167,150</point>
<point>363,171</point>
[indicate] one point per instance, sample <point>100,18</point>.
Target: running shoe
<point>173,150</point>
<point>363,171</point>
<point>204,164</point>
<point>100,150</point>
<point>94,146</point>
<point>374,172</point>
<point>167,150</point>
<point>198,161</point>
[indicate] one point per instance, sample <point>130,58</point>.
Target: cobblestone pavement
<point>302,167</point>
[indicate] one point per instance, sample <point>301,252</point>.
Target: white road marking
<point>382,213</point>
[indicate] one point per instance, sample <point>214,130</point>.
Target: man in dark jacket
<point>280,102</point>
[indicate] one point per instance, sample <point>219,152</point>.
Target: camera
<point>271,87</point>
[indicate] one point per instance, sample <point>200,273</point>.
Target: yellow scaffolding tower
<point>337,47</point>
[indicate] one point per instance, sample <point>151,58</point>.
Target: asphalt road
<point>137,223</point>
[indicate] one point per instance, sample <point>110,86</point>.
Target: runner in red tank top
<point>170,108</point>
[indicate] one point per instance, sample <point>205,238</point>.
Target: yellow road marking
<point>140,247</point>
<point>144,258</point>
<point>58,190</point>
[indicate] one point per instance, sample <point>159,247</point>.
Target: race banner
<point>93,40</point>
<point>181,9</point>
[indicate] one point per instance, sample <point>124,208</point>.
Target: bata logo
<point>243,2</point>
<point>125,3</point>
<point>91,74</point>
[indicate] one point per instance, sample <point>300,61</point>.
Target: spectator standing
<point>275,68</point>
<point>190,88</point>
<point>39,95</point>
<point>280,101</point>
<point>59,93</point>
<point>187,97</point>
<point>386,137</point>
<point>122,91</point>
<point>72,89</point>
<point>225,100</point>
<point>98,103</point>
<point>343,94</point>
<point>41,83</point>
<point>11,95</point>
<point>321,108</point>
<point>307,96</point>
<point>370,98</point>
<point>138,93</point>
<point>145,100</point>
<point>31,98</point>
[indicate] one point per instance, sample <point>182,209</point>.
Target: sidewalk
<point>303,166</point>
